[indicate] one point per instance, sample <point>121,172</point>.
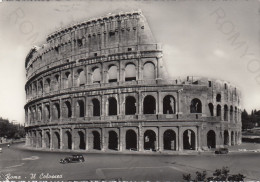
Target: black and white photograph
<point>129,90</point>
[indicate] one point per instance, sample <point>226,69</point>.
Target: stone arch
<point>40,87</point>
<point>232,138</point>
<point>226,137</point>
<point>235,114</point>
<point>56,140</point>
<point>39,139</point>
<point>112,73</point>
<point>48,140</point>
<point>96,140</point>
<point>67,111</point>
<point>47,112</point>
<point>149,71</point>
<point>81,79</point>
<point>130,105</point>
<point>211,139</point>
<point>149,105</point>
<point>231,113</point>
<point>56,111</point>
<point>131,140</point>
<point>80,108</point>
<point>67,80</point>
<point>218,98</point>
<point>149,140</point>
<point>39,113</point>
<point>211,109</point>
<point>96,75</point>
<point>218,110</point>
<point>96,107</point>
<point>112,106</point>
<point>82,142</point>
<point>67,140</point>
<point>130,72</point>
<point>169,140</point>
<point>196,106</point>
<point>112,140</point>
<point>169,106</point>
<point>47,85</point>
<point>225,112</point>
<point>189,140</point>
<point>56,83</point>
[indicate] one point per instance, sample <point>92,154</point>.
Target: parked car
<point>221,151</point>
<point>72,159</point>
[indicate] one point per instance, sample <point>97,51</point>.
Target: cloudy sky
<point>200,38</point>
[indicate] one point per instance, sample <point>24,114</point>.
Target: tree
<point>10,130</point>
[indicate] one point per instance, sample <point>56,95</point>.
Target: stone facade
<point>101,85</point>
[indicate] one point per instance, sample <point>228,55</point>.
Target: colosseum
<point>100,85</point>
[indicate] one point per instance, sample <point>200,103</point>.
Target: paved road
<point>24,164</point>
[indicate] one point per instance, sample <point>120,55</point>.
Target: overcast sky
<point>200,38</point>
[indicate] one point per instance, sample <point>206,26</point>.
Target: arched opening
<point>47,112</point>
<point>226,137</point>
<point>57,82</point>
<point>226,113</point>
<point>211,139</point>
<point>169,140</point>
<point>130,105</point>
<point>196,106</point>
<point>40,140</point>
<point>131,140</point>
<point>211,108</point>
<point>168,105</point>
<point>231,113</point>
<point>47,85</point>
<point>39,113</point>
<point>96,107</point>
<point>232,138</point>
<point>112,74</point>
<point>235,114</point>
<point>96,75</point>
<point>189,140</point>
<point>40,87</point>
<point>149,105</point>
<point>48,140</point>
<point>82,143</point>
<point>112,106</point>
<point>80,108</point>
<point>149,140</point>
<point>56,111</point>
<point>112,140</point>
<point>218,110</point>
<point>67,80</point>
<point>67,111</point>
<point>81,77</point>
<point>56,140</point>
<point>130,73</point>
<point>218,98</point>
<point>149,71</point>
<point>96,140</point>
<point>68,140</point>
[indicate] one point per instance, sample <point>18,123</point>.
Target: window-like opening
<point>209,83</point>
<point>232,138</point>
<point>96,107</point>
<point>112,74</point>
<point>56,140</point>
<point>47,112</point>
<point>225,86</point>
<point>112,140</point>
<point>79,41</point>
<point>40,140</point>
<point>111,33</point>
<point>150,140</point>
<point>67,111</point>
<point>225,112</point>
<point>56,111</point>
<point>189,140</point>
<point>47,85</point>
<point>39,113</point>
<point>196,106</point>
<point>168,105</point>
<point>226,137</point>
<point>231,113</point>
<point>211,139</point>
<point>149,105</point>
<point>48,140</point>
<point>82,143</point>
<point>149,71</point>
<point>96,140</point>
<point>211,108</point>
<point>218,98</point>
<point>129,49</point>
<point>96,76</point>
<point>40,89</point>
<point>169,140</point>
<point>95,54</point>
<point>57,50</point>
<point>218,110</point>
<point>67,81</point>
<point>112,106</point>
<point>131,140</point>
<point>57,81</point>
<point>80,108</point>
<point>67,140</point>
<point>235,114</point>
<point>130,105</point>
<point>81,78</point>
<point>130,72</point>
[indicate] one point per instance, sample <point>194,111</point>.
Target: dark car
<point>221,151</point>
<point>73,158</point>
